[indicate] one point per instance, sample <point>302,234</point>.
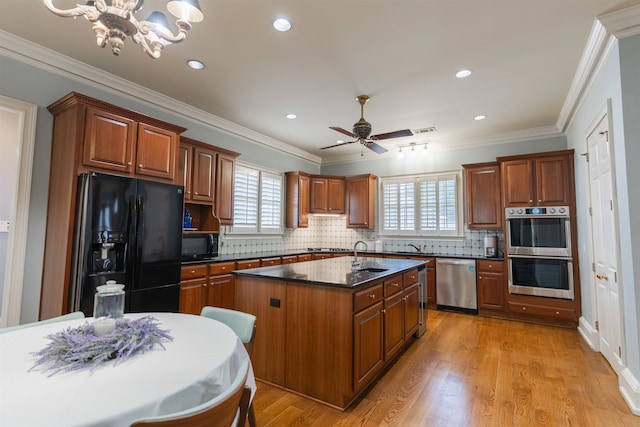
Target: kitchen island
<point>326,329</point>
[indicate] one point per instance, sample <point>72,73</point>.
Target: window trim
<point>416,231</point>
<point>258,230</point>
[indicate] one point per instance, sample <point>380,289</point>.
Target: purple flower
<point>79,348</point>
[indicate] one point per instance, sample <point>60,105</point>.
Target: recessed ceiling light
<point>479,117</point>
<point>463,73</point>
<point>282,24</point>
<point>291,116</point>
<point>195,64</point>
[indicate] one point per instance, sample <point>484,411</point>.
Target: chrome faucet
<point>415,247</point>
<point>355,262</point>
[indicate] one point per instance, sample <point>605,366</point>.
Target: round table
<point>200,363</point>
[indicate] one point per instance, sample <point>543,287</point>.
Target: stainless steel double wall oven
<point>538,241</point>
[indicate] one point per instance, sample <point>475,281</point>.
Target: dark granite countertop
<point>334,271</point>
<point>271,254</point>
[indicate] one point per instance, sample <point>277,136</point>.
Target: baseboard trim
<point>589,334</point>
<point>630,390</point>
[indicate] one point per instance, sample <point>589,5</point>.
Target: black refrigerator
<point>127,230</point>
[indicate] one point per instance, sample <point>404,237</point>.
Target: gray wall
<point>443,160</point>
<point>619,81</point>
<point>37,86</point>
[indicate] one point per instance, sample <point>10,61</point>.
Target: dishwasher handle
<point>453,261</point>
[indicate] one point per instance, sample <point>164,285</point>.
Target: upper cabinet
<point>361,201</point>
<point>116,142</point>
<point>483,201</point>
<point>207,173</point>
<point>541,179</point>
<point>225,179</point>
<point>327,195</point>
<point>297,203</point>
<point>196,171</point>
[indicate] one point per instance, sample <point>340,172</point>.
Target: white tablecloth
<point>199,363</point>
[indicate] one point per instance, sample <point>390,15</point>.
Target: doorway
<point>605,248</point>
<point>18,127</point>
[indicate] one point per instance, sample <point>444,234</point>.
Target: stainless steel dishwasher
<point>456,285</point>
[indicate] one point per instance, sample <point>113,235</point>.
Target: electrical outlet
<point>4,226</point>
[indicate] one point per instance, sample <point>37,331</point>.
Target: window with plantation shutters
<point>257,201</point>
<point>422,205</point>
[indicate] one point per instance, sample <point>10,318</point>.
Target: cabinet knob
<point>490,265</point>
<point>524,308</point>
<point>530,201</point>
<point>539,201</point>
<point>557,312</point>
<point>196,193</point>
<point>140,165</point>
<point>372,296</point>
<point>480,277</point>
<point>395,284</point>
<point>193,271</point>
<point>128,163</point>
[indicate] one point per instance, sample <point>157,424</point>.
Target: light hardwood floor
<point>474,371</point>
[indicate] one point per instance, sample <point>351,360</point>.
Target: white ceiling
<point>402,53</point>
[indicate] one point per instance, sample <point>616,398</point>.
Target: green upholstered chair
<point>244,325</point>
<point>217,412</point>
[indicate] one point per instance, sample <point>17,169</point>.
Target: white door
<point>605,244</point>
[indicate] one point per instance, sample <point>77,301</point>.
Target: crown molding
<point>606,30</point>
<point>38,56</point>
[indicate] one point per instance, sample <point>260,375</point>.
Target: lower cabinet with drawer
<point>193,284</point>
<point>491,284</point>
<point>331,339</point>
<point>206,284</point>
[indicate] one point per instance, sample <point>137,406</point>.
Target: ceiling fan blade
<point>396,134</point>
<point>375,147</point>
<point>338,145</point>
<point>344,131</point>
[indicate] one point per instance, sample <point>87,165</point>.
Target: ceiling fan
<point>362,130</point>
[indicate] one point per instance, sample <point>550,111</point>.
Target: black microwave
<point>197,246</point>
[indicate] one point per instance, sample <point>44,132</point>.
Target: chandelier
<point>114,20</point>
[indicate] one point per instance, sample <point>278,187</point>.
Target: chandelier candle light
<point>114,20</point>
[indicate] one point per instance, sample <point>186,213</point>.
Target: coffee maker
<point>491,246</point>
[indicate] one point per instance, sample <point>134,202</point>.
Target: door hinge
<point>615,277</point>
<point>611,204</point>
<point>620,352</point>
<point>590,211</point>
<point>597,326</point>
<point>593,267</point>
<point>605,133</point>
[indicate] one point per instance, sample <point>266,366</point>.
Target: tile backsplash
<point>331,232</point>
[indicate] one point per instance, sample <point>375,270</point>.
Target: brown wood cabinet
<point>540,179</point>
<point>225,179</point>
<point>360,207</point>
<point>326,195</point>
<point>297,202</point>
<point>207,284</point>
<point>483,201</point>
<point>338,344</point>
<point>196,169</point>
<point>207,173</point>
<point>119,143</point>
<point>193,284</point>
<point>91,135</point>
<point>491,284</point>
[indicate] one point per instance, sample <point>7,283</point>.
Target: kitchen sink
<point>372,270</point>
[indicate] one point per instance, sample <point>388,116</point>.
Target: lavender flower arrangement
<point>80,348</point>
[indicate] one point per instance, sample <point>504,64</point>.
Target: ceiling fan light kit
<point>362,130</point>
<point>114,20</point>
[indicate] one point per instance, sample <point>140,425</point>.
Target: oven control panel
<point>538,211</point>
